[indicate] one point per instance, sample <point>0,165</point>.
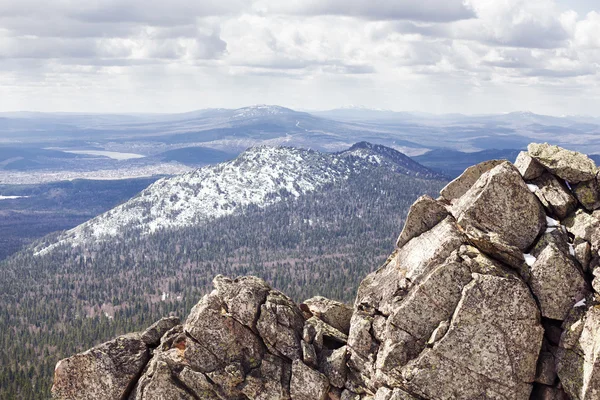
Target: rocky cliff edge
<point>491,293</point>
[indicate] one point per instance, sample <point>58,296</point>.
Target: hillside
<point>308,222</point>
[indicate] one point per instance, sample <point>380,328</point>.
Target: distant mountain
<point>259,177</point>
<point>452,163</point>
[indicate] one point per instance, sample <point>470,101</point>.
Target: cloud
<point>424,10</point>
<point>400,54</point>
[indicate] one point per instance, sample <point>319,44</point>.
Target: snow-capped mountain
<point>259,177</point>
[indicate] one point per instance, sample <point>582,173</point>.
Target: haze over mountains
<point>142,145</point>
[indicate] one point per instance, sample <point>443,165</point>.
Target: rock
<point>270,381</point>
<point>309,356</point>
<point>490,350</point>
<point>556,282</point>
<point>107,371</point>
<point>578,356</point>
<point>333,313</point>
<point>459,186</point>
<point>492,245</point>
<point>546,369</point>
<point>158,383</point>
<point>219,338</point>
<point>543,392</point>
<point>243,297</point>
<point>155,332</point>
<point>423,215</point>
<point>307,384</point>
<point>588,194</point>
<point>396,394</point>
<point>501,202</point>
<point>412,323</point>
<point>583,253</point>
<point>280,325</point>
<point>571,166</point>
<point>198,384</point>
<point>585,226</point>
<point>555,197</point>
<point>333,366</point>
<point>528,167</point>
<point>384,287</point>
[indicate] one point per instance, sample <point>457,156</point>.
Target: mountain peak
<point>261,110</point>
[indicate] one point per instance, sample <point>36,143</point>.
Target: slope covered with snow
<point>259,177</point>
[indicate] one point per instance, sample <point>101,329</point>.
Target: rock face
<point>458,311</point>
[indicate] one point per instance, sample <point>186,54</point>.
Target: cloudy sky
<point>471,56</point>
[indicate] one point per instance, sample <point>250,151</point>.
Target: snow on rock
<point>529,259</point>
<point>260,177</point>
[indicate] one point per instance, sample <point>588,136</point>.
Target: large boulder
<point>569,165</point>
<point>333,313</point>
<point>459,186</point>
<point>423,215</point>
<point>500,202</point>
<point>490,350</point>
<point>557,282</point>
<point>578,357</point>
<point>555,196</point>
<point>528,167</point>
<point>107,371</point>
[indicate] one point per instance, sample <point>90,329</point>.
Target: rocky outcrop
<point>491,293</point>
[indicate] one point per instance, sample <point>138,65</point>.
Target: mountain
<point>490,293</point>
<point>259,177</point>
<point>453,162</point>
<point>308,222</point>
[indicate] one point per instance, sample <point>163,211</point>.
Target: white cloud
<point>435,55</point>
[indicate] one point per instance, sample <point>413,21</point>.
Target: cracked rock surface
<point>491,293</point>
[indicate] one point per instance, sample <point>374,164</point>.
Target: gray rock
<point>556,282</point>
<point>546,369</point>
<point>309,356</point>
<point>569,165</point>
<point>583,253</point>
<point>585,226</point>
<point>243,297</point>
<point>219,336</point>
<point>528,167</point>
<point>555,197</point>
<point>588,194</point>
<point>386,286</point>
<point>459,186</point>
<point>333,313</point>
<point>396,394</point>
<point>490,350</point>
<point>431,301</point>
<point>578,361</point>
<point>501,202</point>
<point>543,392</point>
<point>280,325</point>
<point>198,384</point>
<point>423,215</point>
<point>333,366</point>
<point>270,381</point>
<point>155,332</point>
<point>158,384</point>
<point>107,371</point>
<point>307,384</point>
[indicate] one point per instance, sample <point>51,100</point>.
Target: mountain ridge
<point>260,176</point>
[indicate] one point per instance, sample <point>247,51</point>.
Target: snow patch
<point>529,259</point>
<point>533,187</point>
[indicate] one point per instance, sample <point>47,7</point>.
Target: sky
<point>439,56</point>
